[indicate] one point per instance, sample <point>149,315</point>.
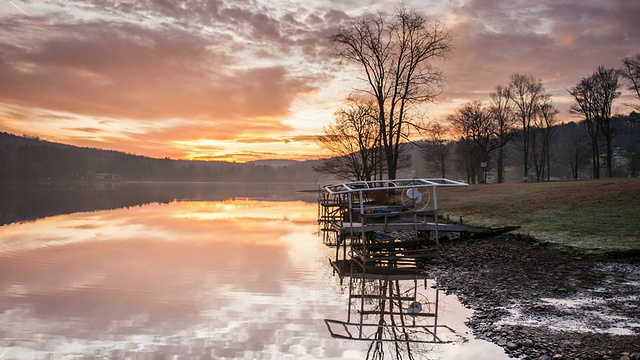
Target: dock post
<point>435,213</point>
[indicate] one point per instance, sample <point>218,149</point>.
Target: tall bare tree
<point>501,110</point>
<point>352,142</point>
<point>594,98</point>
<point>541,140</point>
<point>631,73</point>
<point>396,54</point>
<point>584,94</point>
<point>527,93</point>
<point>608,86</point>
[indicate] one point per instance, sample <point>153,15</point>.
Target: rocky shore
<point>539,302</point>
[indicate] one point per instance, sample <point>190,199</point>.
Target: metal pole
<point>362,234</point>
<point>350,215</point>
<point>350,291</point>
<point>435,319</point>
<point>435,213</point>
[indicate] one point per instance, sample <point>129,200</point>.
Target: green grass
<point>592,215</point>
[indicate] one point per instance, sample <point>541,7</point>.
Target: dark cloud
<point>90,130</point>
<point>559,42</point>
<point>121,70</point>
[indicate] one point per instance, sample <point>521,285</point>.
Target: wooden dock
<point>347,227</point>
<point>378,239</point>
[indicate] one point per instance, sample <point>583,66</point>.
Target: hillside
<point>32,159</point>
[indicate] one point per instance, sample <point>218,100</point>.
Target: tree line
<point>28,158</point>
<point>396,56</point>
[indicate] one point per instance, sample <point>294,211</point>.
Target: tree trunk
<point>500,165</point>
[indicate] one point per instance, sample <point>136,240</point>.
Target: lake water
<point>185,271</point>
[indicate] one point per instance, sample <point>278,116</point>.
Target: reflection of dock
<point>388,312</point>
<point>385,232</point>
<point>383,269</point>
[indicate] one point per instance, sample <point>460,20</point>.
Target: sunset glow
<point>241,81</point>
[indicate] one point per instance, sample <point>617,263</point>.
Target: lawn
<point>592,214</point>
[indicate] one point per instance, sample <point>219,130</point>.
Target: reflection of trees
<point>25,203</point>
<point>399,316</point>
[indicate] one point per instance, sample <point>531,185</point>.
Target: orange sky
<point>257,79</point>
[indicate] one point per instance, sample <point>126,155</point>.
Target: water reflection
<point>20,203</point>
<point>240,277</point>
<point>398,317</point>
<point>236,278</point>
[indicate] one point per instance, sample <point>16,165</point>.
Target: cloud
<point>559,42</point>
<point>150,74</point>
<point>161,70</point>
<point>124,71</point>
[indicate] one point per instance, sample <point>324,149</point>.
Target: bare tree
<point>477,131</point>
<point>631,155</point>
<point>607,80</point>
<point>436,151</point>
<point>396,55</point>
<point>585,96</point>
<point>576,154</point>
<point>541,138</point>
<point>594,100</point>
<point>502,112</point>
<point>352,143</point>
<point>631,73</point>
<point>527,93</point>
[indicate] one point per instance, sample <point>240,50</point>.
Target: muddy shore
<point>541,302</point>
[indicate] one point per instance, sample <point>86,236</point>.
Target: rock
<point>527,343</point>
<point>544,357</point>
<point>539,307</point>
<point>512,346</point>
<point>625,357</point>
<point>557,356</point>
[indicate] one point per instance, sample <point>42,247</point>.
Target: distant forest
<point>25,158</point>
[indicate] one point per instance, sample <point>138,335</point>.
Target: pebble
<point>512,346</point>
<point>527,342</point>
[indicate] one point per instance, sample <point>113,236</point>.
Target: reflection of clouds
<point>145,281</point>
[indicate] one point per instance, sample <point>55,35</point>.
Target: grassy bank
<point>594,214</point>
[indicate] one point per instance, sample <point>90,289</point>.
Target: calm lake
<point>188,271</point>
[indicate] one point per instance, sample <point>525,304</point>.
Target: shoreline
<point>539,302</point>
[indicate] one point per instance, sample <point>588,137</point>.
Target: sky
<point>242,80</point>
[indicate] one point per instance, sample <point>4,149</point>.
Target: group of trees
<point>396,54</point>
<point>522,112</point>
<point>523,116</point>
